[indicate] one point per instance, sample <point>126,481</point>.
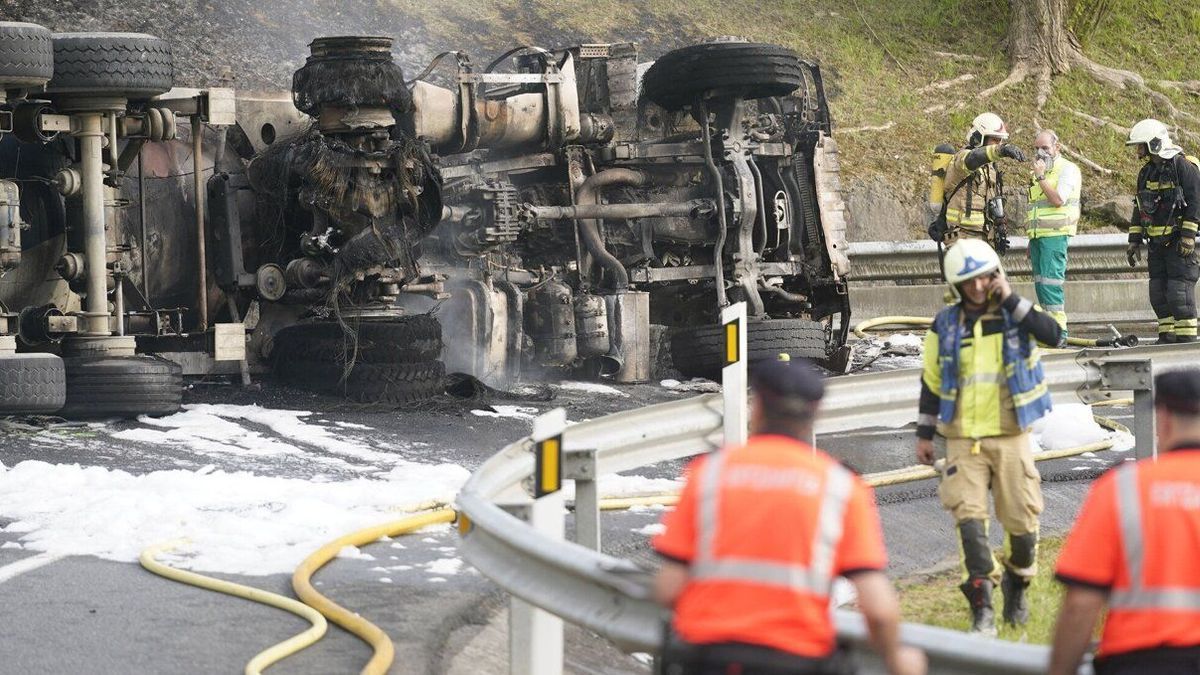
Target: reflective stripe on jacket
<point>1007,358</point>
<point>1138,536</point>
<point>967,207</point>
<point>1045,220</point>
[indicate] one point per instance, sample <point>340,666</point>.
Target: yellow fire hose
<point>368,632</point>
<point>862,327</point>
<point>268,656</point>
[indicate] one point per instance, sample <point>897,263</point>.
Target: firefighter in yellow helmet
<point>973,202</point>
<point>982,387</point>
<point>1167,213</point>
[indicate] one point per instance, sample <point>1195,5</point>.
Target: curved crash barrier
<point>610,596</point>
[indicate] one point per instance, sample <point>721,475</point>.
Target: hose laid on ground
<point>862,327</point>
<point>368,632</point>
<point>268,656</point>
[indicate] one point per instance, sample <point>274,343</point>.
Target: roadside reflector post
<point>1136,375</point>
<point>579,465</point>
<point>734,375</point>
<point>535,636</point>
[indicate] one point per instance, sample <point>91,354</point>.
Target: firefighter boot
<point>979,595</point>
<point>1016,603</point>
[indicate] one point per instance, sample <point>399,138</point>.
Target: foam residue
<point>236,523</point>
<point>1069,425</point>
<point>229,429</point>
<point>514,411</point>
<point>594,388</point>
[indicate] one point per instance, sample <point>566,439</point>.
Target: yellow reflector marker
<point>731,343</point>
<point>549,466</point>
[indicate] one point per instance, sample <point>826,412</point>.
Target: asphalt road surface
<point>87,614</point>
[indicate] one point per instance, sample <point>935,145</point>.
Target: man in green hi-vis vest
<point>1051,219</point>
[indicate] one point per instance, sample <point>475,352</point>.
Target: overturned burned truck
<point>372,233</point>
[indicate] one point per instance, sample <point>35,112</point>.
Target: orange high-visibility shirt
<point>765,529</point>
<point>1138,537</point>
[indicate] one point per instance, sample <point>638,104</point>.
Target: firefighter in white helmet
<point>1166,213</point>
<point>982,387</point>
<point>973,202</point>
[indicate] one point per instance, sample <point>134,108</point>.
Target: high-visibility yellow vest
<point>1044,220</point>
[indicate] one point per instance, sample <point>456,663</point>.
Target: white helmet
<point>967,259</point>
<point>1156,136</point>
<point>986,124</point>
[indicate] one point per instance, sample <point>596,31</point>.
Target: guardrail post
<point>1136,375</point>
<point>535,636</point>
<point>734,374</point>
<point>580,466</point>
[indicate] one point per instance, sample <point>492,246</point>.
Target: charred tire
<point>700,351</point>
<point>127,65</point>
<point>745,70</point>
<point>31,384</point>
<point>122,386</point>
<point>26,55</point>
<point>410,339</point>
<point>396,383</point>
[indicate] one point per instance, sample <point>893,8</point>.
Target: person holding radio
<point>982,387</point>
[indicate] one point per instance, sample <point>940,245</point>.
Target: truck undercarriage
<point>373,234</point>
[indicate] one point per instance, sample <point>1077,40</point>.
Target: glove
<point>1013,152</point>
<point>1133,253</point>
<point>937,230</point>
<point>1187,246</point>
<point>1002,244</point>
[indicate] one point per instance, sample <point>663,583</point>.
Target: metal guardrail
<point>610,596</point>
<point>1090,254</point>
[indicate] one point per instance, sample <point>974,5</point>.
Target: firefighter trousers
<point>1173,288</point>
<point>1048,256</point>
<point>1004,466</point>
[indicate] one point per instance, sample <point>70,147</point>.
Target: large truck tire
<point>409,339</point>
<point>700,351</point>
<point>127,65</point>
<point>747,70</point>
<point>26,55</point>
<point>122,386</point>
<point>31,384</point>
<point>387,383</point>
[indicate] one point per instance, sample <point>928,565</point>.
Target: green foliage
<point>1086,16</point>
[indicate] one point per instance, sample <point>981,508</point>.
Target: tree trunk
<point>1038,37</point>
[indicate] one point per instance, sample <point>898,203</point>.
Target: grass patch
<point>936,601</point>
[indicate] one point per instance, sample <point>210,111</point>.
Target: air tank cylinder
<point>552,325</point>
<point>591,325</point>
